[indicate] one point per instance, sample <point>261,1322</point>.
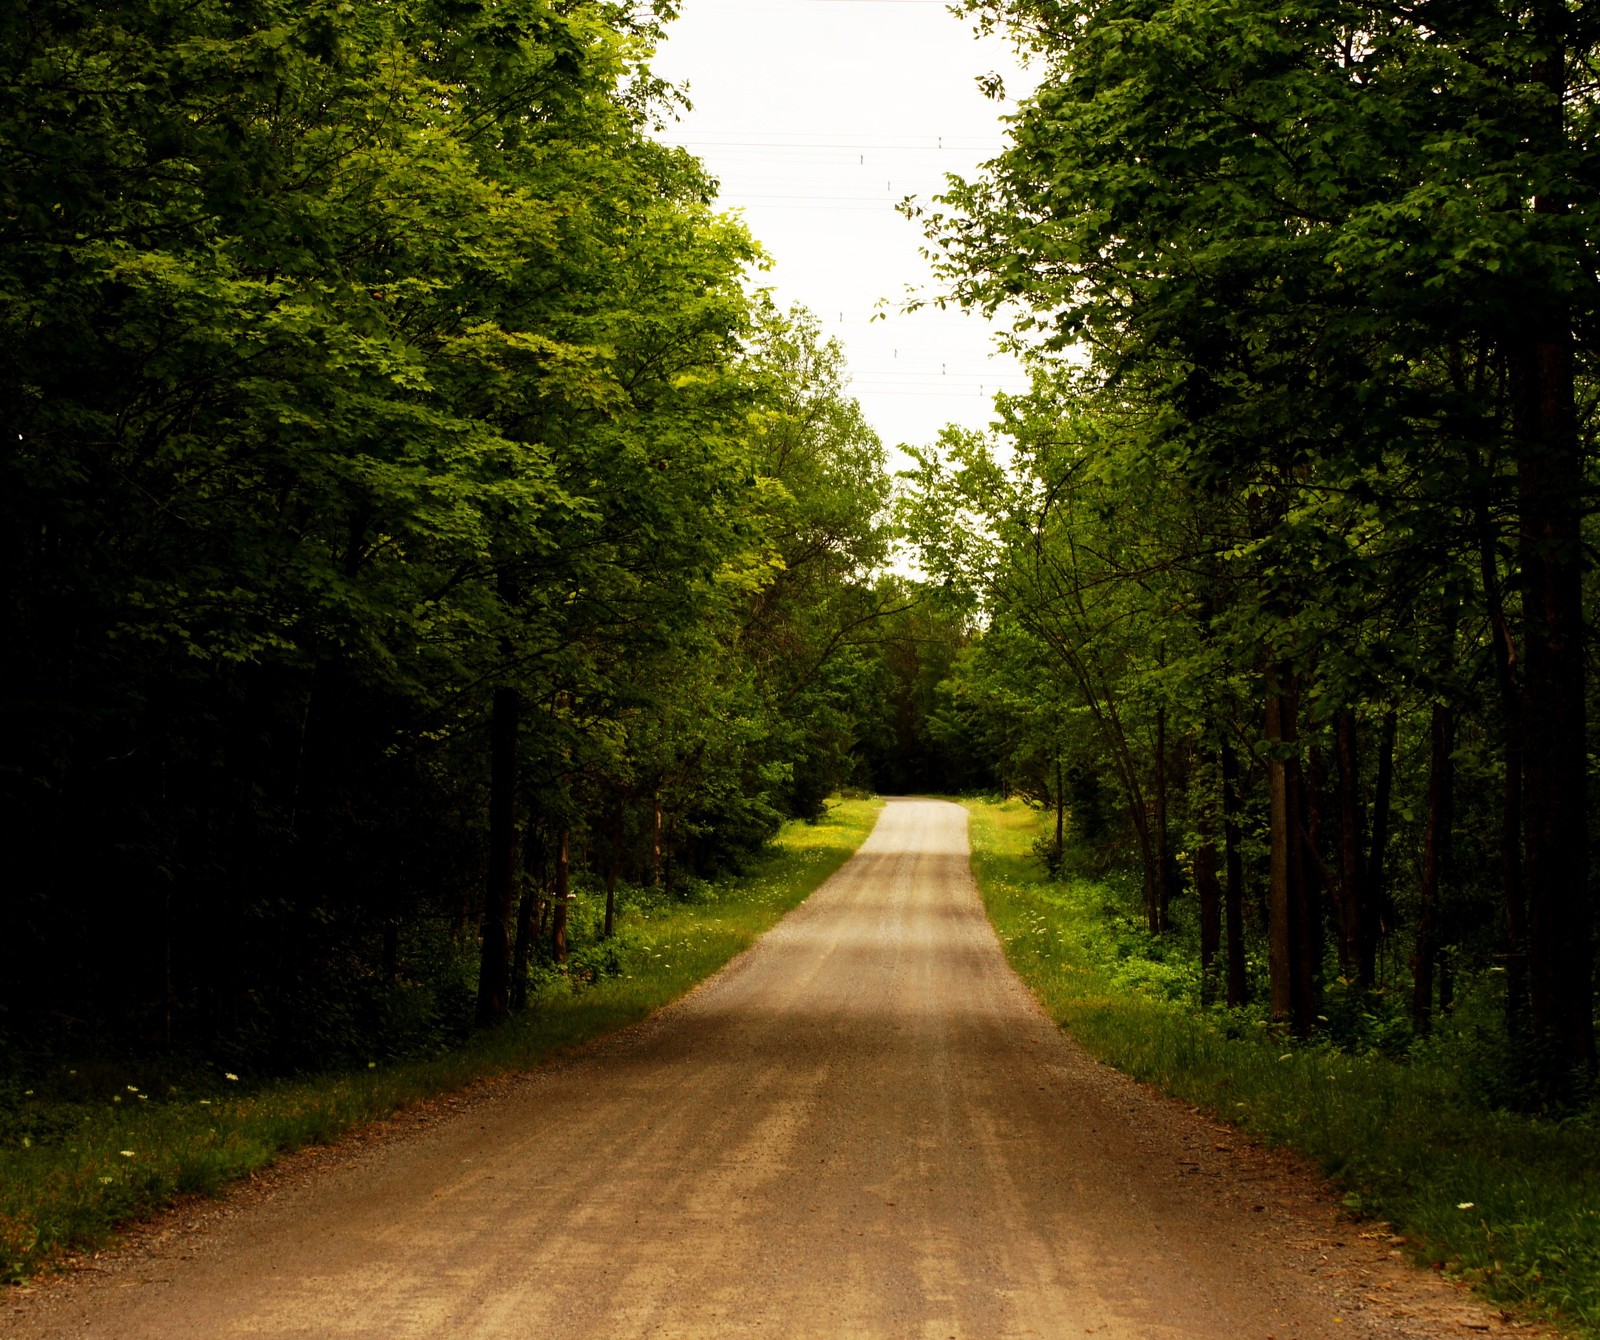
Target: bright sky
<point>818,116</point>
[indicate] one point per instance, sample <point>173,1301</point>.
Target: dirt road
<point>864,1127</point>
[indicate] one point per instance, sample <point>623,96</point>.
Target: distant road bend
<point>863,1127</point>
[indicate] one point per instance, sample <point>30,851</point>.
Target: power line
<point>838,146</point>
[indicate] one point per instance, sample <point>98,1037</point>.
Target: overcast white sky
<point>817,116</point>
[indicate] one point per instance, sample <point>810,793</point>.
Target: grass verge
<point>74,1163</point>
<point>1510,1202</point>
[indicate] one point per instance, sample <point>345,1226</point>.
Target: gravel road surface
<point>863,1127</point>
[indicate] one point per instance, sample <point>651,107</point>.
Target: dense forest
<point>412,506</point>
<point>409,504</point>
<point>1284,563</point>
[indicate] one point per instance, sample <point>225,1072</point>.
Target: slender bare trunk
<point>1208,890</point>
<point>1293,991</point>
<point>1435,862</point>
<point>522,953</point>
<point>1314,790</point>
<point>1233,890</point>
<point>558,910</point>
<point>613,869</point>
<point>1513,907</point>
<point>494,973</point>
<point>1550,500</point>
<point>1358,922</point>
<point>1378,853</point>
<point>1163,909</point>
<point>655,843</point>
<point>528,911</point>
<point>1061,810</point>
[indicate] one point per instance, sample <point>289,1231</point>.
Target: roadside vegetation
<point>88,1144</point>
<point>415,523</point>
<point>1412,1129</point>
<point>1280,585</point>
<point>1282,570</point>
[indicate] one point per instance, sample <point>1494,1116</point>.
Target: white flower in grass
<point>231,1077</point>
<point>1466,1204</point>
<point>126,1153</point>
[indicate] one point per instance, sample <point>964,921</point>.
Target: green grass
<point>94,1148</point>
<point>1510,1202</point>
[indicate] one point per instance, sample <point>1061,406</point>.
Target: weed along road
<point>863,1127</point>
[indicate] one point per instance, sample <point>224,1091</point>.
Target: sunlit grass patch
<point>96,1151</point>
<point>1508,1201</point>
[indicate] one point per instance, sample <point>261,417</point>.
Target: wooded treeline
<point>405,504</point>
<point>1285,559</point>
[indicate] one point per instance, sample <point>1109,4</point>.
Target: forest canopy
<point>407,499</point>
<point>1285,557</point>
<point>410,505</point>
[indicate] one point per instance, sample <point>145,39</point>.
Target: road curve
<point>863,1127</point>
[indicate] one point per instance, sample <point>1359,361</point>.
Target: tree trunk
<point>655,842</point>
<point>1061,810</point>
<point>1358,923</point>
<point>613,869</point>
<point>1152,882</point>
<point>1209,892</point>
<point>494,972</point>
<point>1293,990</point>
<point>528,912</point>
<point>1513,906</point>
<point>558,908</point>
<point>1435,860</point>
<point>1314,790</point>
<point>1554,821</point>
<point>1378,854</point>
<point>1163,835</point>
<point>1550,498</point>
<point>1233,891</point>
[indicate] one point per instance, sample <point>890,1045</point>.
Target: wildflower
<point>205,1102</point>
<point>126,1153</point>
<point>1465,1205</point>
<point>106,1181</point>
<point>133,1088</point>
<point>231,1077</point>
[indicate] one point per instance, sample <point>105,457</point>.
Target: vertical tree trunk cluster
<point>1551,717</point>
<point>494,976</point>
<point>1293,932</point>
<point>1357,907</point>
